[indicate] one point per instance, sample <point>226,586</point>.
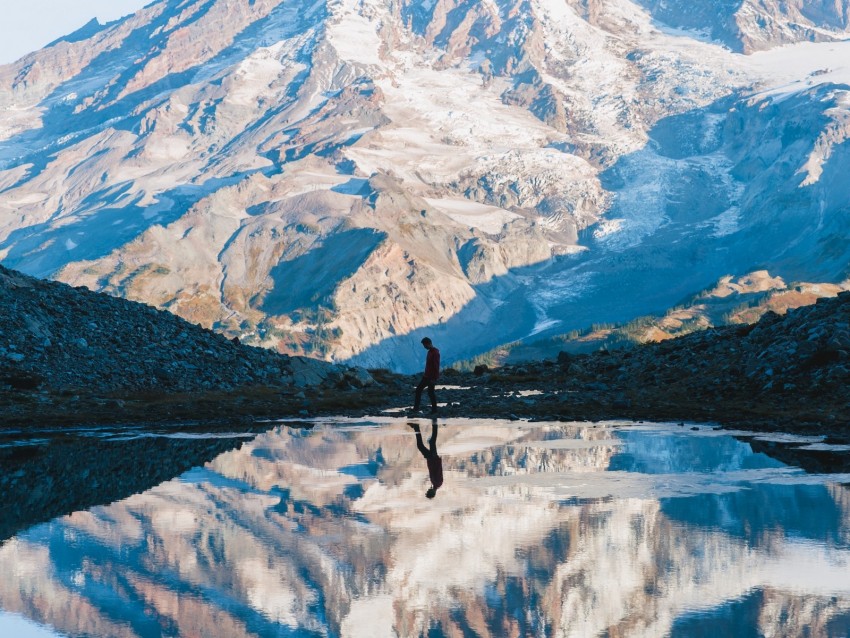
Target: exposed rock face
<point>339,179</point>
<point>59,338</point>
<point>753,25</point>
<point>801,358</point>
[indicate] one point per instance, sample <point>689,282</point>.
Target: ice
<point>555,289</point>
<point>544,324</point>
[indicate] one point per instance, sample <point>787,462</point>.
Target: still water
<point>538,529</point>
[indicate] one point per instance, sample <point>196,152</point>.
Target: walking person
<point>433,460</point>
<point>429,377</point>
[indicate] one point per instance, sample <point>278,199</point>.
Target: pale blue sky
<point>27,25</point>
<point>20,627</point>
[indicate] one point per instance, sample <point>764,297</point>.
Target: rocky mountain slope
<point>89,356</point>
<point>731,301</point>
<point>786,372</point>
<point>340,178</point>
<point>751,25</point>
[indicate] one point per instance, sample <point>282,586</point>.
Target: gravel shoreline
<point>539,392</point>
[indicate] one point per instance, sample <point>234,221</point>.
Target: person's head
<point>426,342</point>
<point>431,492</point>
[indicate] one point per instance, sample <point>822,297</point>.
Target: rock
<point>480,370</point>
<point>21,380</point>
<point>822,357</point>
<point>358,377</point>
<point>621,403</point>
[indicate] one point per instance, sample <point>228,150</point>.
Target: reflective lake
<point>538,529</point>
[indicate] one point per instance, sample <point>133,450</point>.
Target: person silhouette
<point>435,463</point>
<point>429,377</point>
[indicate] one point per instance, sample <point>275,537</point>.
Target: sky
<point>28,25</point>
<point>20,627</point>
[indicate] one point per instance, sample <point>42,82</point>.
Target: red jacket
<point>432,364</point>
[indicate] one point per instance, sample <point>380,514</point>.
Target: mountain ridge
<point>70,355</point>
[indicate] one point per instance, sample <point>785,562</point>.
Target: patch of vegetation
<point>492,358</point>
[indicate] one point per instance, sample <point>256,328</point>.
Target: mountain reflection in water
<point>539,529</point>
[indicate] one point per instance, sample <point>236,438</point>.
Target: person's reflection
<point>435,463</point>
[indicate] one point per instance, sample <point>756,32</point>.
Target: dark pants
<point>431,450</point>
<point>425,383</point>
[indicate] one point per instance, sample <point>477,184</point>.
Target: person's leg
<point>432,442</point>
<point>433,396</point>
<point>420,444</point>
<point>418,396</point>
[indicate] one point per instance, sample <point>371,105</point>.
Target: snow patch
<point>354,36</point>
<point>254,75</point>
<point>726,222</point>
<point>608,227</point>
<point>786,70</point>
<point>490,219</point>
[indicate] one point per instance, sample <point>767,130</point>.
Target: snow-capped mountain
<point>339,178</point>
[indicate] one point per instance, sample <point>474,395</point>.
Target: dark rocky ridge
<point>785,372</point>
<point>61,346</point>
<point>138,364</point>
